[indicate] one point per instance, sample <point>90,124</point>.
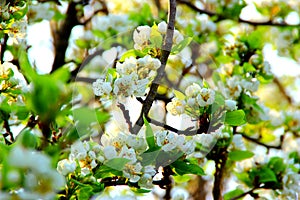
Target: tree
<point>177,95</point>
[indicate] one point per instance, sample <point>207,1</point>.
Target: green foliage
<point>238,155</point>
<point>235,118</point>
<point>233,194</point>
<point>182,167</point>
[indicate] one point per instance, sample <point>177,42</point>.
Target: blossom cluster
<point>88,156</point>
<point>31,174</point>
<point>195,97</point>
<point>142,35</point>
<point>133,77</point>
<point>14,27</point>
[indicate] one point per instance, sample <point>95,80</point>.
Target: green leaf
<point>85,193</point>
<point>179,95</point>
<point>248,67</point>
<point>27,138</point>
<point>117,163</point>
<point>105,172</point>
<point>181,45</point>
<point>185,167</point>
<point>182,179</point>
<point>82,43</point>
<point>149,157</point>
<point>155,37</point>
<point>131,53</point>
<point>149,135</point>
<point>233,194</point>
<point>61,75</point>
<point>277,165</point>
<point>25,65</point>
<point>235,118</point>
<point>244,177</point>
<point>263,175</point>
<point>140,190</point>
<point>239,155</point>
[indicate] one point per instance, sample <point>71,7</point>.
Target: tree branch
<point>221,17</point>
<point>61,36</point>
<point>262,144</point>
<point>282,90</point>
<point>166,49</point>
<point>3,47</point>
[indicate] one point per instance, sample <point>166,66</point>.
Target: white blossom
<point>230,104</point>
<point>101,87</point>
<point>66,166</point>
<point>141,37</point>
<point>176,106</point>
<point>206,97</point>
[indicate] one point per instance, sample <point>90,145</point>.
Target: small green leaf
<point>239,155</point>
<point>131,53</point>
<point>27,138</point>
<point>117,163</point>
<point>244,177</point>
<point>235,118</point>
<point>263,175</point>
<point>181,45</point>
<point>149,156</point>
<point>149,135</point>
<point>277,165</point>
<point>179,95</point>
<point>182,179</point>
<point>82,44</point>
<point>85,192</point>
<point>185,167</point>
<point>233,194</point>
<point>105,172</point>
<point>140,190</point>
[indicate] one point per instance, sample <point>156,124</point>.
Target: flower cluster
<point>14,26</point>
<point>142,35</point>
<point>133,77</point>
<point>31,174</point>
<point>195,97</point>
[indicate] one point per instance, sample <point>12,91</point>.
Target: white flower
<point>237,142</point>
<point>160,137</point>
<point>66,166</point>
<point>230,105</point>
<point>178,193</point>
<point>250,85</point>
<point>125,86</point>
<point>176,106</point>
<point>192,90</point>
<point>162,27</point>
<point>177,37</point>
<point>206,97</point>
<point>133,172</point>
<point>141,37</point>
<point>129,154</point>
<point>110,152</point>
<point>101,87</point>
<point>78,151</point>
<point>127,67</point>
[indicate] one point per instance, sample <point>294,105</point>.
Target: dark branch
<point>3,47</point>
<point>166,49</point>
<point>61,36</point>
<point>282,90</point>
<point>221,17</point>
<point>126,116</point>
<point>263,144</point>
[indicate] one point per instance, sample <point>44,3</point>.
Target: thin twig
<point>166,49</point>
<point>282,90</point>
<point>126,116</point>
<point>263,144</point>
